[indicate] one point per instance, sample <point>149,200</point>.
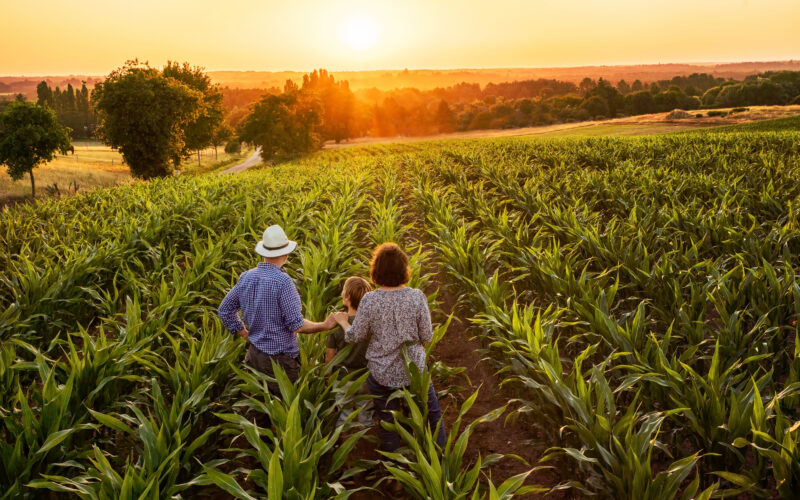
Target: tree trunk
<point>198,158</point>
<point>215,153</point>
<point>33,184</point>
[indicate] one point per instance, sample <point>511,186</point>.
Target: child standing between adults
<point>353,291</point>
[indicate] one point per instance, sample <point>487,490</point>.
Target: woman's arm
<point>424,325</point>
<point>360,328</point>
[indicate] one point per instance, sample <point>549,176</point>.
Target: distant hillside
<point>429,79</point>
<point>26,85</point>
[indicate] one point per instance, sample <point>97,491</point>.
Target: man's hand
<point>330,322</point>
<point>244,334</point>
<point>312,327</point>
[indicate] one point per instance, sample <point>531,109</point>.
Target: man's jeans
<point>390,441</point>
<point>262,362</point>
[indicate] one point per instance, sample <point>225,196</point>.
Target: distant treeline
<point>73,108</point>
<point>330,110</point>
<point>157,118</point>
<point>468,106</point>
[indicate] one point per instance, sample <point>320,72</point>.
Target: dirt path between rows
<point>458,349</point>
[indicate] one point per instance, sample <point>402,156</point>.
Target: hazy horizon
<point>463,68</point>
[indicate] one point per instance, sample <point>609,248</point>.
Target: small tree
<point>44,95</point>
<point>222,134</point>
<point>145,114</point>
<point>445,119</point>
<point>587,85</point>
<point>283,124</point>
<point>596,106</point>
<point>233,146</point>
<point>29,135</point>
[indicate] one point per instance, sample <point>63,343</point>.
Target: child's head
<point>354,289</point>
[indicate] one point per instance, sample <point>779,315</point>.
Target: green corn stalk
<point>38,431</point>
<point>429,471</point>
<point>297,454</point>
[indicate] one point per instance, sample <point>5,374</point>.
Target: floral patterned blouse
<point>391,319</point>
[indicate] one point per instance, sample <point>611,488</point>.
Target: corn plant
<point>297,454</point>
<point>604,276</point>
<point>38,431</point>
<point>165,442</point>
<point>430,471</point>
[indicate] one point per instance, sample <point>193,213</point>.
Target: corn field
<point>638,298</point>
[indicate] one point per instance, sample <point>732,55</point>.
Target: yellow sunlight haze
<point>96,36</point>
<point>359,32</point>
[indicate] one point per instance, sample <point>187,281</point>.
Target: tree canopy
<point>338,105</point>
<point>29,136</point>
<point>146,114</point>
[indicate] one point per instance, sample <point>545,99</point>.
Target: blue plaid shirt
<point>270,306</point>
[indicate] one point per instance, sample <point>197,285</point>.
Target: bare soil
<point>459,348</point>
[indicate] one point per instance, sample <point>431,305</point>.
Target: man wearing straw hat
<point>271,307</point>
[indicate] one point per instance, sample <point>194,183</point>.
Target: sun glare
<point>359,32</point>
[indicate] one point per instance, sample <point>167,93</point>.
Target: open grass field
<point>629,305</point>
<point>656,123</point>
<point>92,166</point>
<point>622,129</point>
<point>789,124</point>
<point>95,165</point>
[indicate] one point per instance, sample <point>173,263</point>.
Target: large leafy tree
<point>202,131</point>
<point>283,124</point>
<point>145,114</point>
<point>29,136</point>
<point>611,96</point>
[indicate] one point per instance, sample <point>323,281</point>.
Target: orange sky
<point>95,36</point>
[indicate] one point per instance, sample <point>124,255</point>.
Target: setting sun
<point>359,32</point>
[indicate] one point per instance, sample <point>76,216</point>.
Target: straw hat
<point>274,243</point>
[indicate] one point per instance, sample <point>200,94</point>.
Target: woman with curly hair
<point>391,317</point>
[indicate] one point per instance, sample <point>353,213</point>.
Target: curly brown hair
<point>389,266</point>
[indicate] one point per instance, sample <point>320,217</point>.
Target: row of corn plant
<point>501,225</point>
<point>170,291</point>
